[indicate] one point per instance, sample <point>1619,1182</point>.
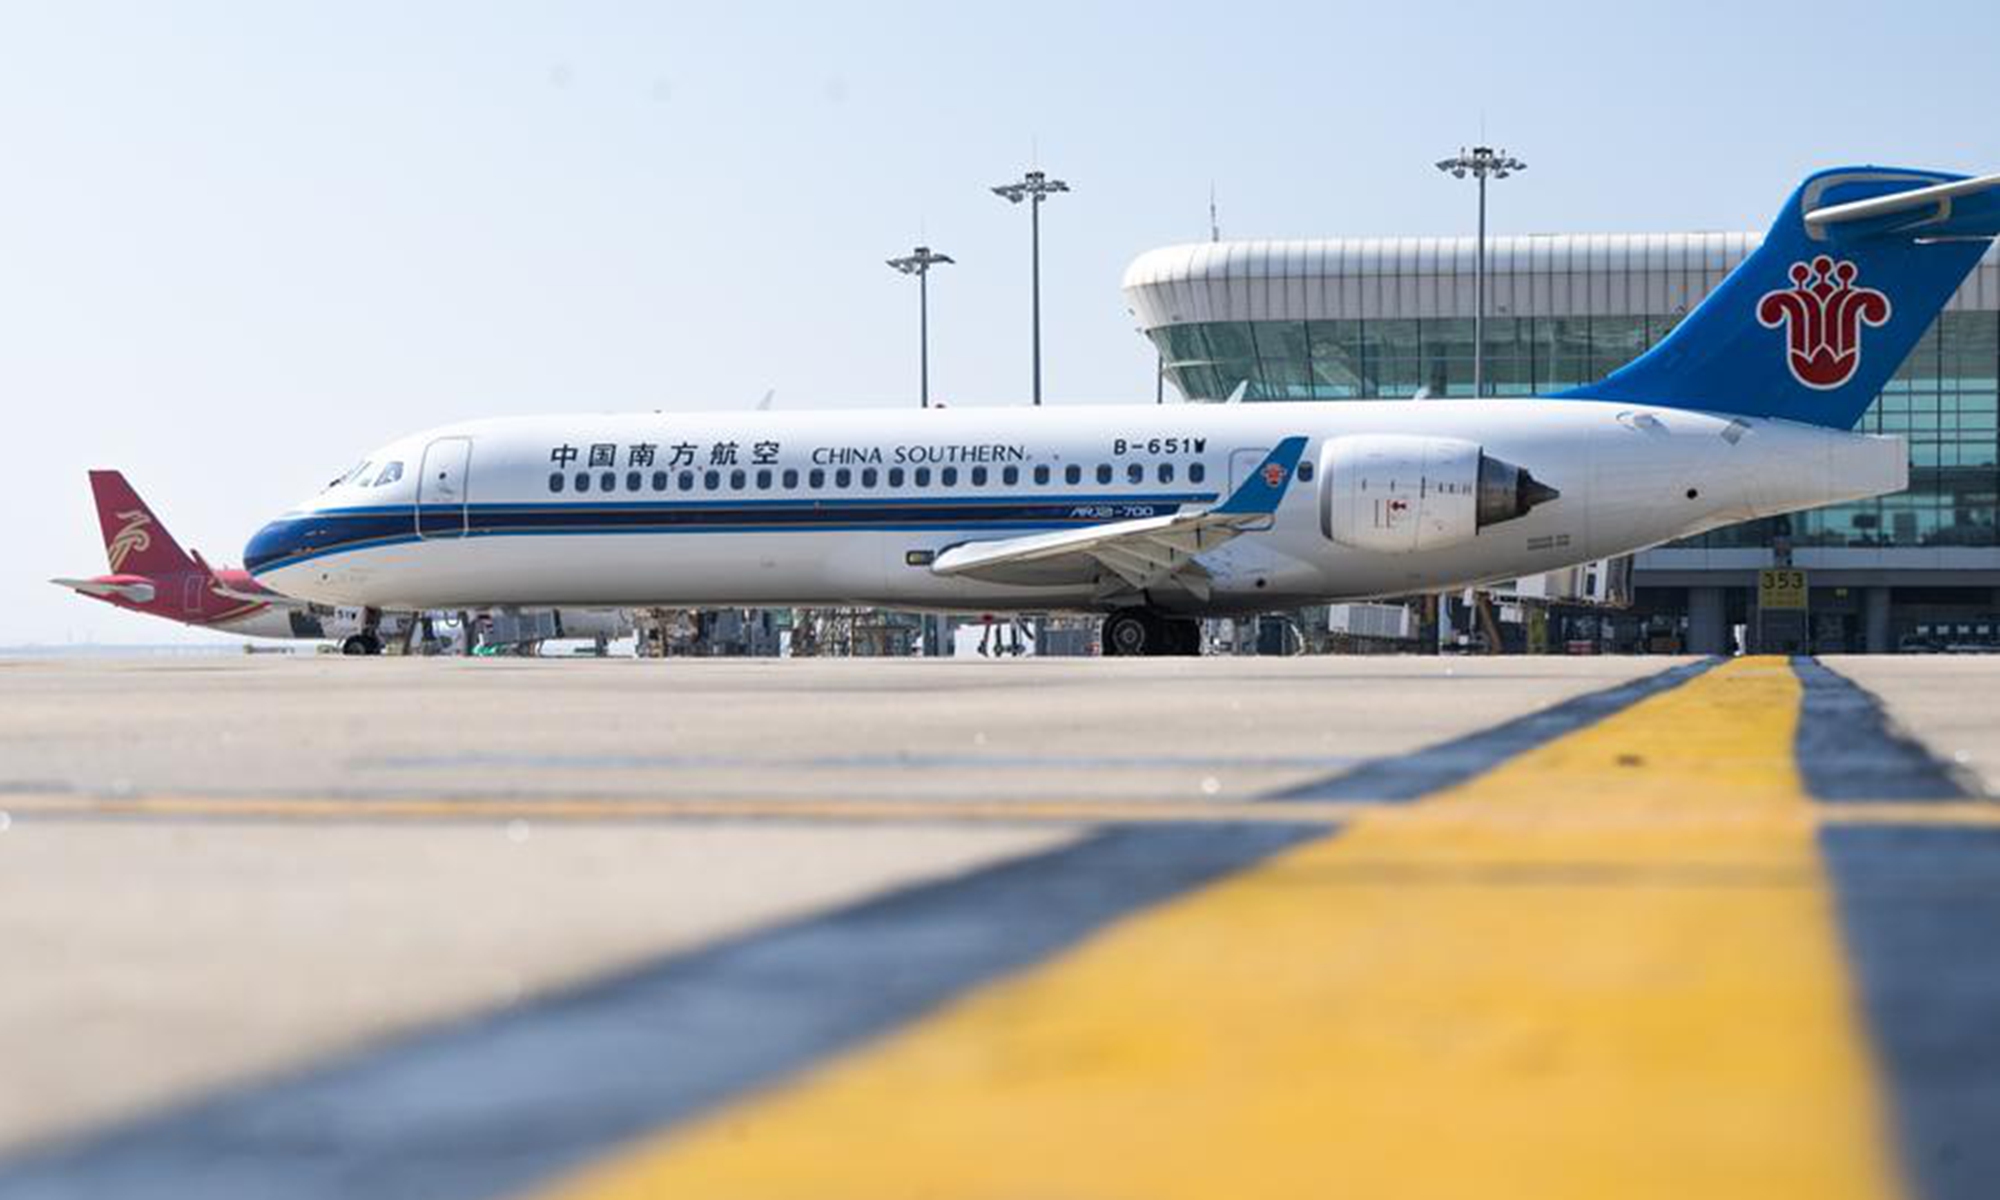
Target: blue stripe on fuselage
<point>292,540</point>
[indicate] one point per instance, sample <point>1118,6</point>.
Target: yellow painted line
<point>1563,999</point>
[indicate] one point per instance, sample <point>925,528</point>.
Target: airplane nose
<point>290,539</point>
<point>266,547</point>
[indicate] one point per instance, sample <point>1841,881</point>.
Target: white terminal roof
<point>1539,275</point>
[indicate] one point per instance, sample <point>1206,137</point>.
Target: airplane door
<point>441,488</point>
<point>191,594</point>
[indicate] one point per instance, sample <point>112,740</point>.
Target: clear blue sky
<point>240,244</point>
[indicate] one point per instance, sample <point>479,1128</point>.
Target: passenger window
<point>555,481</point>
<point>791,477</point>
<point>895,477</point>
<point>582,481</point>
<point>868,477</point>
<point>764,480</point>
<point>687,481</point>
<point>817,479</point>
<point>1072,474</point>
<point>923,475</point>
<point>659,481</point>
<point>1041,475</point>
<point>948,476</point>
<point>736,480</point>
<point>390,474</point>
<point>1166,472</point>
<point>1135,473</point>
<point>1305,471</point>
<point>843,478</point>
<point>632,481</point>
<point>1010,476</point>
<point>712,480</point>
<point>1104,472</point>
<point>979,477</point>
<point>608,481</point>
<point>1197,472</point>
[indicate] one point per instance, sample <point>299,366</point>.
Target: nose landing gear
<point>1137,632</point>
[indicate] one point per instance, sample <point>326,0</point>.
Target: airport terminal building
<point>1387,317</point>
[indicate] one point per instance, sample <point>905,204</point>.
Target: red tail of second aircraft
<point>135,543</point>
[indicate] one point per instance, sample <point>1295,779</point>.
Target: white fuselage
<point>811,508</point>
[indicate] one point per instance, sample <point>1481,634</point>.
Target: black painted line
<point>1848,749</point>
<point>1919,909</point>
<point>498,1103</point>
<point>1451,763</point>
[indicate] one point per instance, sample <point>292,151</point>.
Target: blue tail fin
<point>1812,325</point>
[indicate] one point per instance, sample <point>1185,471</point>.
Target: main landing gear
<point>369,640</point>
<point>1136,632</point>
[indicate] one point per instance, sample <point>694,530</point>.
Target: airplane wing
<point>132,593</point>
<point>1137,554</point>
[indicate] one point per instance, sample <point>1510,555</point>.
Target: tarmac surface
<point>1274,927</point>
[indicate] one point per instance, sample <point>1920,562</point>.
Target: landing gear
<point>1132,634</point>
<point>369,639</point>
<point>1136,633</point>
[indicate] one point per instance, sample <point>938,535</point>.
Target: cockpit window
<point>389,474</point>
<point>352,473</point>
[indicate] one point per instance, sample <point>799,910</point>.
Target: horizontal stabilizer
<point>260,596</point>
<point>1961,208</point>
<point>274,599</point>
<point>110,589</point>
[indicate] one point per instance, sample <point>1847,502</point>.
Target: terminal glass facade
<point>1945,401</point>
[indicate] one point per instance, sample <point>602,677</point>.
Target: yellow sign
<point>1783,587</point>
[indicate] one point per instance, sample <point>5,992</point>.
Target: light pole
<point>919,262</point>
<point>1034,187</point>
<point>1480,162</point>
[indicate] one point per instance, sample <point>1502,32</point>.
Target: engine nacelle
<point>1401,493</point>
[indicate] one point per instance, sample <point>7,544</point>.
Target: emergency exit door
<point>441,488</point>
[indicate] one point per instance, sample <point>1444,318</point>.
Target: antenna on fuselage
<point>764,405</point>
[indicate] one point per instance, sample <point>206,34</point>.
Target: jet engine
<point>1401,493</point>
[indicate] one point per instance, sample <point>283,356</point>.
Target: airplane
<point>1155,517</point>
<point>152,574</point>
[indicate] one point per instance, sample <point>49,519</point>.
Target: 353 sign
<point>1781,588</point>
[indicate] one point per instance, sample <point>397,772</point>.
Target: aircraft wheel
<point>1183,637</point>
<point>361,643</point>
<point>1131,634</point>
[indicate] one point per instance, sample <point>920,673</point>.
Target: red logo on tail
<point>1823,312</point>
<point>1274,474</point>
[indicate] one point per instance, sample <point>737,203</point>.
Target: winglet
<point>1266,485</point>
